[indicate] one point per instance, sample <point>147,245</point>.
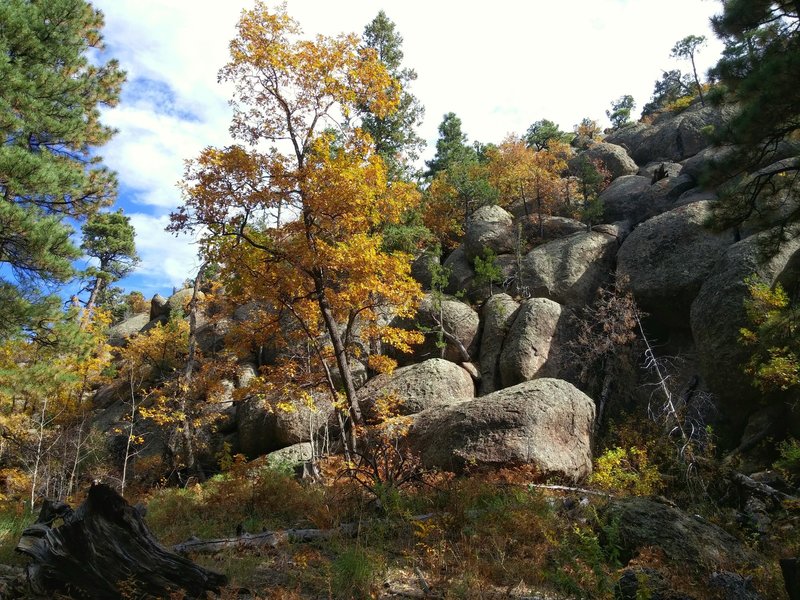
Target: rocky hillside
<point>581,339</point>
<point>506,385</point>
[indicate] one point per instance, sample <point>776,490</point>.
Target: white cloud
<point>167,260</point>
<point>498,66</point>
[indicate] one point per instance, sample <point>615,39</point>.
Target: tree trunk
<point>104,550</point>
<point>341,357</point>
<point>98,284</point>
<point>697,81</point>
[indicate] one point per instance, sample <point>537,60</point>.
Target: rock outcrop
<point>614,158</point>
<point>490,228</point>
<point>458,320</point>
<point>119,334</point>
<point>674,136</point>
<point>718,313</point>
<point>417,387</point>
<point>545,423</point>
<point>569,270</point>
<point>498,314</point>
<point>533,343</point>
<point>667,258</point>
<point>265,425</point>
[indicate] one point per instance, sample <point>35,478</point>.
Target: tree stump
<point>104,550</point>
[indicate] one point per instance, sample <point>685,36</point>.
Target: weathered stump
<point>104,550</point>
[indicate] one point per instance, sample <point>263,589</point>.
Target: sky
<point>499,66</point>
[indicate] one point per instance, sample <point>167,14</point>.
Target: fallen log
<point>259,540</point>
<point>272,539</point>
<point>103,549</point>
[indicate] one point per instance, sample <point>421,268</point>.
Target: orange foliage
<point>296,227</point>
<point>522,174</point>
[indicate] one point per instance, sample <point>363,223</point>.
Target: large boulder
<point>417,387</point>
<point>158,307</point>
<point>438,312</point>
<point>499,313</point>
<point>490,228</point>
<point>718,313</point>
<point>266,424</point>
<point>621,198</point>
<point>178,303</point>
<point>568,270</point>
<point>667,258</point>
<point>552,227</point>
<point>673,137</point>
<point>459,269</point>
<point>423,268</point>
<point>531,346</point>
<point>119,334</point>
<point>545,423</point>
<point>636,199</point>
<point>686,539</point>
<point>613,157</point>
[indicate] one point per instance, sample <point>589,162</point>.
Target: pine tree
<point>49,126</point>
<point>758,73</point>
<point>451,147</point>
<point>108,237</point>
<point>394,136</point>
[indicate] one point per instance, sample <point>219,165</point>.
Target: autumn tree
<point>687,48</point>
<point>396,140</point>
<point>588,128</point>
<point>527,176</point>
<point>50,128</point>
<point>323,273</point>
<point>45,400</point>
<point>110,238</point>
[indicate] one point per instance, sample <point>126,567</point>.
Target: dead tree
<point>104,550</point>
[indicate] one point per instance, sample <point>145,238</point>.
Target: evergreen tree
<point>687,48</point>
<point>541,132</point>
<point>672,85</point>
<point>758,71</point>
<point>451,147</point>
<point>49,127</point>
<point>394,135</point>
<point>108,237</point>
<point>620,113</point>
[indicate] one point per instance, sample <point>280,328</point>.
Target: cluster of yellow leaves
<point>155,354</point>
<point>522,174</point>
<point>298,227</point>
<point>626,471</point>
<point>775,362</point>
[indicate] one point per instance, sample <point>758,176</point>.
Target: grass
<point>474,537</point>
<point>12,523</point>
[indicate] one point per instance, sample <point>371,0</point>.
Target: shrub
<point>626,471</point>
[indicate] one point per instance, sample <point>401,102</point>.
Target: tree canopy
<point>396,140</point>
<point>108,237</point>
<point>50,127</point>
<point>757,70</point>
<point>324,268</point>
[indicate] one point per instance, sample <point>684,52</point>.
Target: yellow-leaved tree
<point>293,212</point>
<point>46,387</point>
<point>528,176</point>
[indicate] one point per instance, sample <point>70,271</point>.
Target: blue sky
<point>498,66</point>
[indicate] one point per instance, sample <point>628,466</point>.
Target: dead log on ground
<point>104,550</point>
<point>273,539</point>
